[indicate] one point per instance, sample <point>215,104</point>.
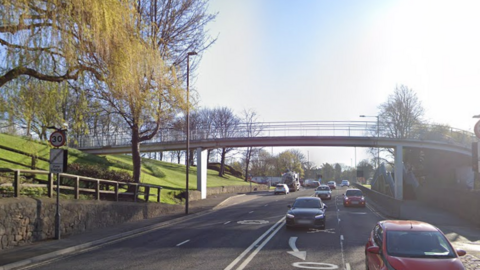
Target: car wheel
<point>366,264</point>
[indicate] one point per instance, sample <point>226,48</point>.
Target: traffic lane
<point>301,248</point>
<point>355,225</point>
<point>205,242</point>
<point>339,246</point>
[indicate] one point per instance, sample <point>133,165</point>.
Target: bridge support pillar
<point>202,172</point>
<point>398,177</point>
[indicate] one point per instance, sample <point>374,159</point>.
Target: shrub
<point>99,172</point>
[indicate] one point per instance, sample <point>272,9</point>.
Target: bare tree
<point>400,115</point>
<point>226,124</point>
<point>252,129</point>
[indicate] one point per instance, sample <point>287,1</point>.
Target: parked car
<point>345,183</point>
<point>332,184</point>
<point>353,197</point>
<point>323,192</point>
<point>308,212</point>
<point>281,189</point>
<point>409,244</point>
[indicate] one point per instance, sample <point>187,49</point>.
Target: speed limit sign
<point>57,139</point>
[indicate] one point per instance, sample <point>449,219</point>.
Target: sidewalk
<point>44,250</point>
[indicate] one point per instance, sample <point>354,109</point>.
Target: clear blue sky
<point>319,60</point>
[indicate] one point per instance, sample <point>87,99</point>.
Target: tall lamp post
<point>188,130</point>
<point>378,136</point>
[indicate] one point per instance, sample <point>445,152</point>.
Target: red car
<point>410,245</point>
<point>353,197</point>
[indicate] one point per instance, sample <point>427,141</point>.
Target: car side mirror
<point>461,252</point>
<point>325,206</point>
<point>289,206</point>
<point>374,250</point>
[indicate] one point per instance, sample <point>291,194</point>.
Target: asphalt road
<point>246,232</point>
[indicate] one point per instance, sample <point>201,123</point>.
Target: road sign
<point>57,138</point>
<point>476,129</point>
<point>58,160</point>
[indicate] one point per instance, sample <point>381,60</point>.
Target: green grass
<point>168,175</point>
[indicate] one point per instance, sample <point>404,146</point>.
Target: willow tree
<point>125,52</point>
<point>60,40</point>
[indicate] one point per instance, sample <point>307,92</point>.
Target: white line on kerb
<point>226,223</point>
<point>183,243</point>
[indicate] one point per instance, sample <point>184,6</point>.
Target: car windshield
<point>345,181</point>
<point>279,186</point>
<point>415,244</point>
<point>354,193</point>
<point>323,188</point>
<point>307,203</point>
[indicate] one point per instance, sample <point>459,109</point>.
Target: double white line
<point>275,228</point>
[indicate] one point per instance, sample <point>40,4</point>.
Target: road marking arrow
<point>299,254</point>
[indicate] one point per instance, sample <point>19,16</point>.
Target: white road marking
<point>347,267</point>
<point>246,251</point>
<point>297,253</point>
<point>255,252</point>
<point>226,223</point>
<point>250,212</point>
<point>184,242</point>
<point>266,205</point>
<point>315,265</point>
<point>341,237</point>
<point>253,222</point>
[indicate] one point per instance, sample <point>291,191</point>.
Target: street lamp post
<point>188,131</point>
<point>378,136</point>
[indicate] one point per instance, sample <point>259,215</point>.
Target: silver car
<point>323,192</point>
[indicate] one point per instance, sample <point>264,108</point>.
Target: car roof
<point>407,225</point>
<point>344,180</point>
<point>307,198</point>
<point>353,189</point>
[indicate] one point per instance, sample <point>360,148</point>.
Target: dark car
<point>307,212</point>
<point>410,244</point>
<point>353,197</point>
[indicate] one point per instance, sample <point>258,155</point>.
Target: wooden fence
<point>90,185</point>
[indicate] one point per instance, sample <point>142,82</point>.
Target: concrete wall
<point>462,202</point>
<point>24,220</point>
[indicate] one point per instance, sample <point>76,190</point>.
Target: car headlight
<point>290,216</point>
<point>319,216</point>
<point>363,199</point>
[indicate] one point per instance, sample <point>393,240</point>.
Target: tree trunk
<point>222,163</point>
<point>247,162</point>
<point>137,164</point>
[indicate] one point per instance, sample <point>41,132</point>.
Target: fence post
<point>116,191</point>
<point>34,163</point>
<point>16,184</point>
<point>77,188</point>
<point>97,190</point>
<point>135,194</point>
<point>147,193</point>
<point>50,185</point>
<point>158,194</point>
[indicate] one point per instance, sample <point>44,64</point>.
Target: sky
<point>325,60</point>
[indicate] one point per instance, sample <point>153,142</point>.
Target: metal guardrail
<point>276,129</point>
<point>95,186</point>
